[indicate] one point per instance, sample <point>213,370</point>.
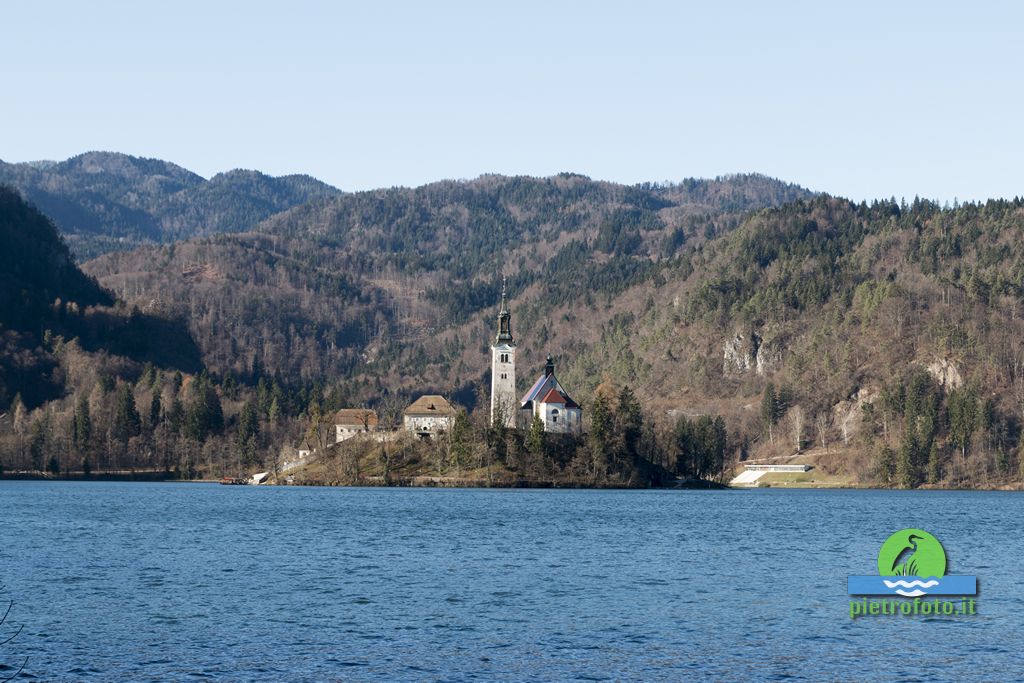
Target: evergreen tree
<point>204,415</point>
<point>963,417</point>
<point>934,467</point>
<point>127,422</point>
<point>885,465</point>
<point>248,430</point>
<point>82,425</point>
<point>770,410</point>
<point>600,435</point>
<point>154,410</point>
<point>274,413</point>
<point>176,415</point>
<point>248,422</point>
<point>37,443</point>
<point>535,439</point>
<point>148,376</point>
<point>630,420</point>
<point>907,475</point>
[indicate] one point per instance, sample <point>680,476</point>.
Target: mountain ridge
<point>106,201</point>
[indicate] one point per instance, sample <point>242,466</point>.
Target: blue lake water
<point>138,582</point>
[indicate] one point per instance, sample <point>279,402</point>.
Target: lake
<point>162,582</point>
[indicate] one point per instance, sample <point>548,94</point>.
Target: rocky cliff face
<point>945,373</point>
<point>748,351</point>
<point>739,354</point>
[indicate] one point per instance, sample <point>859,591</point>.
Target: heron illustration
<point>905,563</point>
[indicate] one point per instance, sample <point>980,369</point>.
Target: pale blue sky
<point>870,100</point>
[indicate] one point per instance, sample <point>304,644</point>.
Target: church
<point>546,399</point>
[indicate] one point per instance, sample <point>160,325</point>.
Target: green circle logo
<point>912,552</point>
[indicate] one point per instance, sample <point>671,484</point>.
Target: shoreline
<point>443,483</point>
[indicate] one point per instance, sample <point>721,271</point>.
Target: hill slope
<point>45,299</point>
<point>887,334</point>
<point>335,288</point>
<point>105,201</point>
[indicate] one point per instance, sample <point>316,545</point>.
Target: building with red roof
<point>548,401</point>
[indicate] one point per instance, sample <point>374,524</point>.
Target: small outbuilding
<point>348,422</point>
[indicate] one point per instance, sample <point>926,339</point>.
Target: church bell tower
<point>504,405</point>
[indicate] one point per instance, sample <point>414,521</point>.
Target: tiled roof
<point>553,396</point>
<point>535,390</point>
<point>356,416</point>
<point>431,404</point>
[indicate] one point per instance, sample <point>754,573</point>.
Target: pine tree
<point>127,422</point>
<point>148,376</point>
<point>204,415</point>
<point>82,425</point>
<point>37,442</point>
<point>154,410</point>
<point>934,467</point>
<point>535,439</point>
<point>600,434</point>
<point>630,419</point>
<point>963,417</point>
<point>274,413</point>
<point>885,465</point>
<point>176,415</point>
<point>770,410</point>
<point>248,430</point>
<point>906,471</point>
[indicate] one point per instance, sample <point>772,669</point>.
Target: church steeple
<point>504,318</point>
<point>504,406</point>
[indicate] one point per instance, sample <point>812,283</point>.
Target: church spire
<point>504,317</point>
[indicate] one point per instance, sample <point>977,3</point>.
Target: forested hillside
<point>46,302</point>
<point>881,342</point>
<point>103,201</point>
<point>382,284</point>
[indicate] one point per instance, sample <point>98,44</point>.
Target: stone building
<point>348,422</point>
<point>428,416</point>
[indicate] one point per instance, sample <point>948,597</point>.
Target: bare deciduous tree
<point>795,419</point>
<point>821,422</point>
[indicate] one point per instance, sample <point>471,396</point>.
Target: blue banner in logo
<point>912,586</point>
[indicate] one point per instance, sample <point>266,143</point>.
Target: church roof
<point>540,387</point>
<point>547,390</point>
<point>553,397</point>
